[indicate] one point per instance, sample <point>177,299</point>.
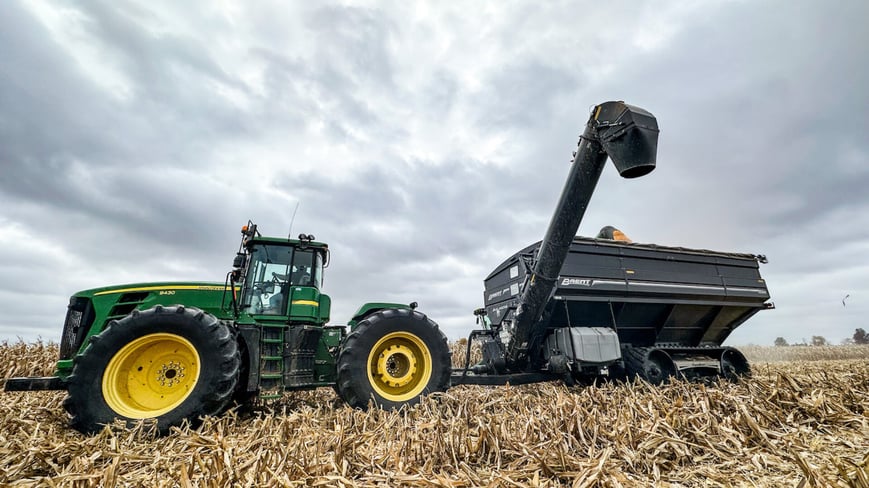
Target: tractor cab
<point>280,279</point>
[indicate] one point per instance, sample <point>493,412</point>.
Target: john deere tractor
<point>177,351</point>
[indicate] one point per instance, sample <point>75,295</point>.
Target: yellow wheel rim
<point>151,375</point>
<point>399,366</point>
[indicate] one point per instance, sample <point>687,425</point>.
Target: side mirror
<point>238,262</point>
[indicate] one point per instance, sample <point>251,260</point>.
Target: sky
<point>425,142</point>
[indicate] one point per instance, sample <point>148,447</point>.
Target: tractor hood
<point>114,302</point>
<point>160,288</point>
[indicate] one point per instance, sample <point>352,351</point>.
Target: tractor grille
<point>79,316</point>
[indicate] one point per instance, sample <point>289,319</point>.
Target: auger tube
<point>629,136</point>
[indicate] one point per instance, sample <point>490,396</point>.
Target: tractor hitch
<point>34,383</point>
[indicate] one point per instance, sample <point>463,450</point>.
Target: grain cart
<point>620,310</point>
<point>564,308</point>
<point>579,308</point>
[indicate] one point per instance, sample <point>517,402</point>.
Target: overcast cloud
<point>426,142</point>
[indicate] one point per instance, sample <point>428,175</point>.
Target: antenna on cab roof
<point>293,219</point>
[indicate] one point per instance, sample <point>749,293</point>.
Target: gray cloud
<point>521,96</point>
<point>424,144</point>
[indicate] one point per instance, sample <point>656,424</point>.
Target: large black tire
<point>392,358</point>
<point>171,364</point>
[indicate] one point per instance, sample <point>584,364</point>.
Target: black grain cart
<point>578,308</point>
<point>617,300</point>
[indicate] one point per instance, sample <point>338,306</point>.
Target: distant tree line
<point>860,337</point>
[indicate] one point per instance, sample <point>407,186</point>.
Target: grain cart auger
<point>174,352</point>
<point>576,308</point>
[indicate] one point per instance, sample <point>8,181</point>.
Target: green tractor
<point>174,352</point>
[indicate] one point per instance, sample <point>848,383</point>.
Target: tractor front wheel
<point>171,364</point>
<point>392,358</point>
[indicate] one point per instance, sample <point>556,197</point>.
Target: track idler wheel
<point>652,365</point>
<point>734,365</point>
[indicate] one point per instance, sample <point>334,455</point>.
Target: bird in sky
<point>843,300</point>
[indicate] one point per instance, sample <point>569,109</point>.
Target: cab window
<point>265,290</point>
<point>318,270</point>
<point>302,271</point>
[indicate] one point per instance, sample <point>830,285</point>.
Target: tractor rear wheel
<point>171,364</point>
<point>392,358</point>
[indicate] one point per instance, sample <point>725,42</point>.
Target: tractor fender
<point>371,307</point>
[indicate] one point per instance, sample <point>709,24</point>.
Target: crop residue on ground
<point>793,422</point>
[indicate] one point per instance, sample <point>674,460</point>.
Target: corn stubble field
<point>801,420</point>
